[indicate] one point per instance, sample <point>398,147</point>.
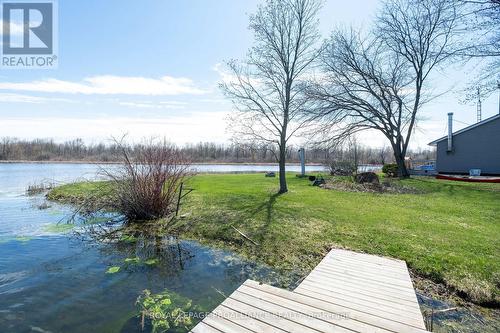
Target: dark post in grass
<point>189,190</point>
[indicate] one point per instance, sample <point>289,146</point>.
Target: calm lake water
<point>53,280</point>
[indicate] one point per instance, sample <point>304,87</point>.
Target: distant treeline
<point>12,149</point>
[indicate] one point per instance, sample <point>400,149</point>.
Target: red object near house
<point>470,179</point>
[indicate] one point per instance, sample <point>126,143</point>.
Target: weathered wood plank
<point>399,286</point>
<point>225,325</point>
<point>346,292</point>
<point>326,280</point>
<point>354,300</point>
<point>368,258</point>
<point>265,313</point>
<point>368,270</point>
<point>357,320</point>
<point>324,319</point>
<point>370,294</point>
<point>246,321</point>
<point>307,323</point>
<point>360,277</point>
<point>365,270</point>
<point>351,272</point>
<point>202,327</point>
<point>377,266</point>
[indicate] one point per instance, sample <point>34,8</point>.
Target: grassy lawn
<point>448,233</point>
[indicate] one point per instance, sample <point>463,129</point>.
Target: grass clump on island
<point>445,231</point>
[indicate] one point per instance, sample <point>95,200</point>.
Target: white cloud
<point>225,75</point>
<point>153,105</point>
<point>189,127</point>
<point>21,98</point>
<point>110,85</point>
<point>213,100</point>
<point>16,29</point>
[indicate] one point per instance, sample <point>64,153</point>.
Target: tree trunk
<point>282,163</point>
<point>400,161</point>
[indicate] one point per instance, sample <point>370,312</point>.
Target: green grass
<point>77,192</point>
<point>449,232</point>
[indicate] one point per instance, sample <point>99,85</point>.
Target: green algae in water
<point>23,239</point>
<point>97,220</point>
<point>151,261</point>
<point>132,261</point>
<point>166,310</point>
<point>58,228</point>
<point>137,261</point>
<point>20,239</point>
<point>128,239</point>
<point>113,270</point>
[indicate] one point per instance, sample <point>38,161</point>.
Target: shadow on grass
<point>262,225</point>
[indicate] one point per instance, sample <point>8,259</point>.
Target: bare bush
<point>146,184</point>
<point>342,168</point>
<point>348,185</point>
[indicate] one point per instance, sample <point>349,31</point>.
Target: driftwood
<point>429,319</point>
<point>219,292</point>
<point>245,236</point>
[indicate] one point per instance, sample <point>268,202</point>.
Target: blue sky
<point>150,68</point>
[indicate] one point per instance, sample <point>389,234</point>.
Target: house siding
<point>477,148</point>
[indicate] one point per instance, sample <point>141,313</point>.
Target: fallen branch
<point>245,236</point>
<point>219,292</point>
<point>444,310</point>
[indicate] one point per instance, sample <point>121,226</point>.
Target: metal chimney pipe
<point>498,86</point>
<point>450,131</point>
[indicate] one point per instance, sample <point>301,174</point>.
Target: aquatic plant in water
<point>23,239</point>
<point>128,239</point>
<point>132,261</point>
<point>151,261</point>
<point>165,311</point>
<point>113,270</point>
<point>58,228</point>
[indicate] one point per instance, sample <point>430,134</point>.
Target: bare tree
<point>266,87</point>
<point>481,43</point>
<point>382,155</point>
<point>377,82</point>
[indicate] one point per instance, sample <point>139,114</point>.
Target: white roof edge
<point>487,120</point>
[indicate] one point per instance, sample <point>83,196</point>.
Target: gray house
<point>473,147</point>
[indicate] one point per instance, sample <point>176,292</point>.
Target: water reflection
<point>65,287</point>
<point>55,277</point>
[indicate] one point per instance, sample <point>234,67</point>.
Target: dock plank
<point>346,292</point>
<point>360,303</point>
<point>205,328</point>
<point>357,319</point>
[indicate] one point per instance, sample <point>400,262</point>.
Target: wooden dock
<point>346,292</point>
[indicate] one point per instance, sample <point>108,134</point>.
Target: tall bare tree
<point>377,82</point>
<point>266,88</point>
<point>481,43</point>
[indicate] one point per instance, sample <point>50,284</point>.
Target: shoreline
<point>103,162</point>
